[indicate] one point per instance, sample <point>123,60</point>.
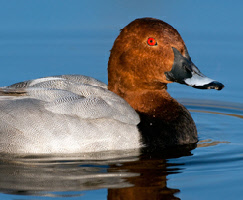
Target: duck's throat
<point>164,121</point>
<point>154,103</point>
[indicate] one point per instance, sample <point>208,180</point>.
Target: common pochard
<point>76,114</point>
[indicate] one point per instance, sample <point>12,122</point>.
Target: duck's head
<point>150,53</point>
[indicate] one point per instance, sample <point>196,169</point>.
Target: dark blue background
<point>51,37</point>
<point>48,37</point>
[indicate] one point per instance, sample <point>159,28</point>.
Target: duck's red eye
<point>151,41</point>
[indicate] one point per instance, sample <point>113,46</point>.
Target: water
<point>210,171</point>
<point>43,38</point>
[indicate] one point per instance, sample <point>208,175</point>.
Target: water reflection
<point>215,108</point>
<point>139,174</point>
<point>152,180</point>
<point>127,174</point>
<point>209,143</point>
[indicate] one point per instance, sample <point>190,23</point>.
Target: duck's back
<point>65,114</point>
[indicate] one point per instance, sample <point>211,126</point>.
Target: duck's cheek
<point>165,80</point>
<point>164,68</point>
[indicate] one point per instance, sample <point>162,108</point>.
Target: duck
<point>78,114</point>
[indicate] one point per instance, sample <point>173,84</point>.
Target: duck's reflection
<point>127,175</point>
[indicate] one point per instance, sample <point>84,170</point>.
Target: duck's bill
<point>185,72</point>
<point>198,80</point>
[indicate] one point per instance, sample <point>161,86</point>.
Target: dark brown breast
<point>158,132</point>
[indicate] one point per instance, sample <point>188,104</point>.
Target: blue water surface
<point>52,37</point>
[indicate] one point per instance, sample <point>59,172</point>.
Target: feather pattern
<point>65,114</point>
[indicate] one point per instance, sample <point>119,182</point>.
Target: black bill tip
<point>213,85</point>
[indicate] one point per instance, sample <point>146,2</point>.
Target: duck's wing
<point>72,95</point>
<point>64,114</point>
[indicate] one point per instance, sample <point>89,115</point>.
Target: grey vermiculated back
<point>65,114</point>
<point>79,79</point>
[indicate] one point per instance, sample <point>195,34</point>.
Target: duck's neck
<point>154,103</point>
<point>164,121</point>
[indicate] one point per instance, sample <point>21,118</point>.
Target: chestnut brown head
<point>148,54</point>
